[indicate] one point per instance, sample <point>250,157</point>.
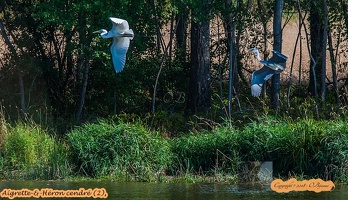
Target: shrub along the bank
<point>29,152</point>
<point>130,151</point>
<point>206,152</point>
<point>119,149</point>
<point>305,147</point>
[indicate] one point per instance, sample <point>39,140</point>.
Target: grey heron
<point>274,65</point>
<point>121,35</point>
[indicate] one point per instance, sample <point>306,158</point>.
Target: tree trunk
<point>316,32</point>
<point>231,27</point>
<point>277,45</point>
<point>19,73</point>
<point>84,66</point>
<point>199,98</point>
<point>181,35</point>
<point>263,15</point>
<point>333,68</point>
<point>158,29</point>
<point>323,54</point>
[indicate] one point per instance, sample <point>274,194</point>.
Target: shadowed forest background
<point>182,105</point>
<point>54,68</point>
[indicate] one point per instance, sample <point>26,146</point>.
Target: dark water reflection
<point>175,191</point>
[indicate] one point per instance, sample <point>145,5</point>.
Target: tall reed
<point>306,146</point>
<point>29,152</point>
<point>125,151</point>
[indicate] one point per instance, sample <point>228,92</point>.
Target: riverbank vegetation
<point>182,107</point>
<point>30,152</point>
<point>127,151</point>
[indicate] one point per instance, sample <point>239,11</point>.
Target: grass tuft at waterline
<point>130,151</point>
<point>126,151</point>
<point>29,152</point>
<point>305,147</point>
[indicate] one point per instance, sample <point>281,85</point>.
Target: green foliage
<point>206,151</point>
<point>312,148</point>
<point>53,39</point>
<point>104,147</point>
<point>28,152</point>
<point>170,124</point>
<point>129,151</point>
<point>55,74</point>
<point>337,153</point>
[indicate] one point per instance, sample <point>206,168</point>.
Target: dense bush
<point>119,149</point>
<point>305,147</point>
<point>29,152</point>
<point>208,151</point>
<point>130,151</point>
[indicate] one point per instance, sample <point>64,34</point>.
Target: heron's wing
<point>258,78</point>
<point>280,55</point>
<point>256,90</point>
<point>278,61</point>
<point>264,62</point>
<point>276,67</point>
<point>119,50</point>
<point>119,25</point>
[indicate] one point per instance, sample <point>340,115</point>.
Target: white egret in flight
<point>122,35</point>
<point>274,65</point>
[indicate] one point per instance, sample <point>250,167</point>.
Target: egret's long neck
<point>105,34</point>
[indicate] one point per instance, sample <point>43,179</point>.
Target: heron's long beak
<point>95,31</point>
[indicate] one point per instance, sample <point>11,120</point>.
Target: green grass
<point>29,152</point>
<point>131,151</point>
<point>308,147</point>
<point>127,151</point>
<point>207,151</point>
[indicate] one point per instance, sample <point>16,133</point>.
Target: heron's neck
<point>258,55</point>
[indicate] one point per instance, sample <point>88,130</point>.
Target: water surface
<point>174,191</point>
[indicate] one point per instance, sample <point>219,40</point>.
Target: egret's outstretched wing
<point>119,50</point>
<point>119,25</point>
<point>258,78</point>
